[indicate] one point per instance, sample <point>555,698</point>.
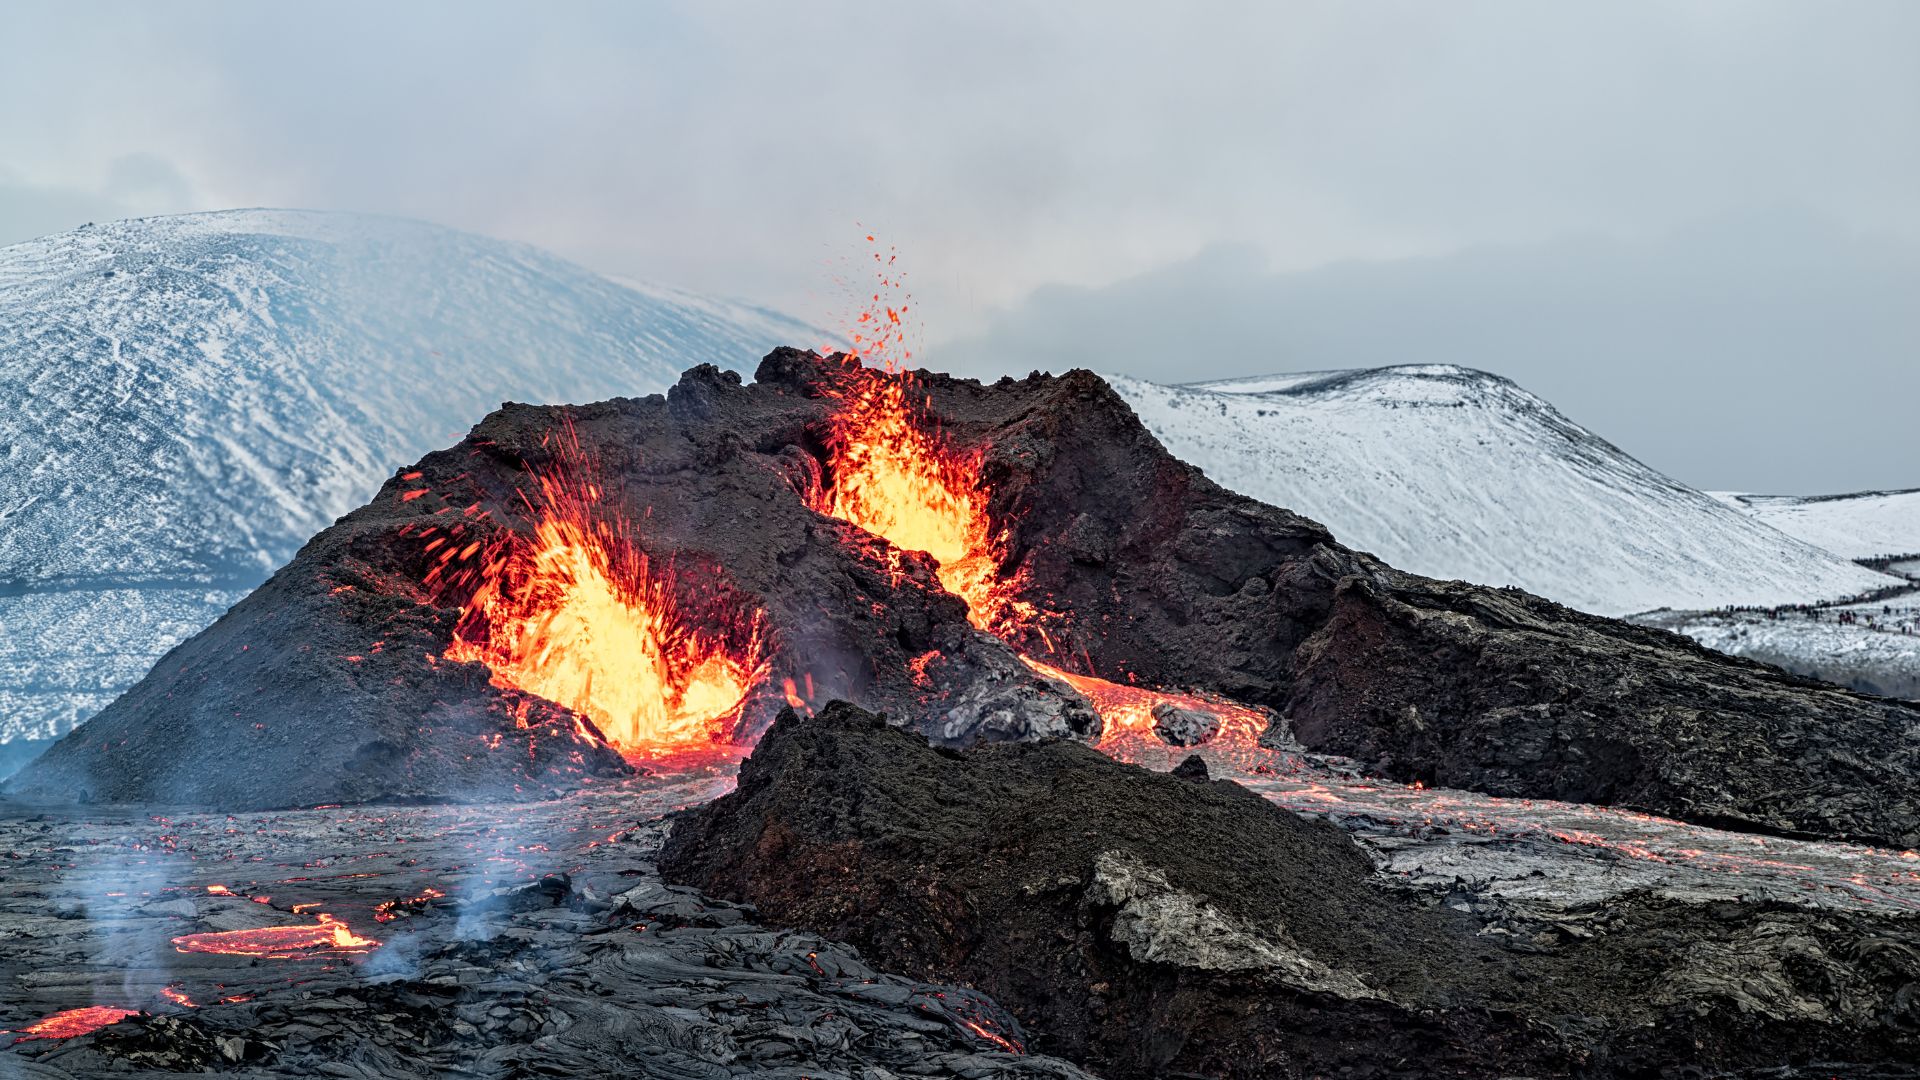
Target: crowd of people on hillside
<point>1905,620</point>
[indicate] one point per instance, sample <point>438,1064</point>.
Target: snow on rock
<point>1866,525</point>
<point>1873,647</point>
<point>1456,473</point>
<point>187,399</point>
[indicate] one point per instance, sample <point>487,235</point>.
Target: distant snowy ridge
<point>1456,473</point>
<point>184,400</point>
<point>1863,525</point>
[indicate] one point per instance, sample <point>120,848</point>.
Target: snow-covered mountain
<point>1456,473</point>
<point>1865,525</point>
<point>184,400</point>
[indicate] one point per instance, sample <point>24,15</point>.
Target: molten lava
<point>327,937</point>
<point>1127,720</point>
<point>890,472</point>
<point>893,478</point>
<point>581,617</point>
<point>71,1022</point>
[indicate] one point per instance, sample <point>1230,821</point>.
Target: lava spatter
<point>581,616</point>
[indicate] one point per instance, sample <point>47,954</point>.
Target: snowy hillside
<point>1456,473</point>
<point>1867,525</point>
<point>187,399</point>
<point>1873,647</point>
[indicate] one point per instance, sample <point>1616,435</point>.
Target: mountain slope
<point>187,399</point>
<point>1455,473</point>
<point>1865,525</point>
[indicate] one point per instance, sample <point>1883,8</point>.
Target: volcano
<point>575,592</point>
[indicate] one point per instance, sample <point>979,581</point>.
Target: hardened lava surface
<point>527,939</point>
<point>1106,557</point>
<point>1148,924</point>
<point>502,941</point>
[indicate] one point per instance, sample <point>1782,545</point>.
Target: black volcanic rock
<point>1150,925</point>
<point>1139,568</point>
<point>1503,692</point>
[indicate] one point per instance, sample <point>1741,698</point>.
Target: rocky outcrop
<point>1502,692</point>
<point>1160,925</point>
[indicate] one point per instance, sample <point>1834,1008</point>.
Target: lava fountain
<point>891,473</point>
<point>895,479</point>
<point>580,616</point>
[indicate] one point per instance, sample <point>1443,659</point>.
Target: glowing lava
<point>1126,715</point>
<point>894,479</point>
<point>581,617</point>
<point>71,1022</point>
<point>890,473</point>
<point>327,937</point>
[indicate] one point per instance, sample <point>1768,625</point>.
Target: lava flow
<point>327,937</point>
<point>1129,717</point>
<point>581,617</point>
<point>70,1022</point>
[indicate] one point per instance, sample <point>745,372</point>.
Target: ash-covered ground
<point>514,972</point>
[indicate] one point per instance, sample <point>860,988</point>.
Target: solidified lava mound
<point>1065,534</point>
<point>1146,924</point>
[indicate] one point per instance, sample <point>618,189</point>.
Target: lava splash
<point>895,479</point>
<point>580,616</point>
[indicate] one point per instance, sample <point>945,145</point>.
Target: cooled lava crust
<point>318,687</point>
<point>1145,925</point>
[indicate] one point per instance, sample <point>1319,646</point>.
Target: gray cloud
<point>1768,351</point>
<point>732,146</point>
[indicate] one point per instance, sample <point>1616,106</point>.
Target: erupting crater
<point>579,615</point>
<point>890,472</point>
<point>980,563</point>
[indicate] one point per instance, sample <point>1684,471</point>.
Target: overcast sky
<point>1692,225</point>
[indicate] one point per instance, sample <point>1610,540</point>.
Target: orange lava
<point>893,478</point>
<point>581,617</point>
<point>328,937</point>
<point>1126,715</point>
<point>71,1022</point>
<point>891,473</point>
<point>389,910</point>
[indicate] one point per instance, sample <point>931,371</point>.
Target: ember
<point>327,937</point>
<point>71,1022</point>
<point>581,617</point>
